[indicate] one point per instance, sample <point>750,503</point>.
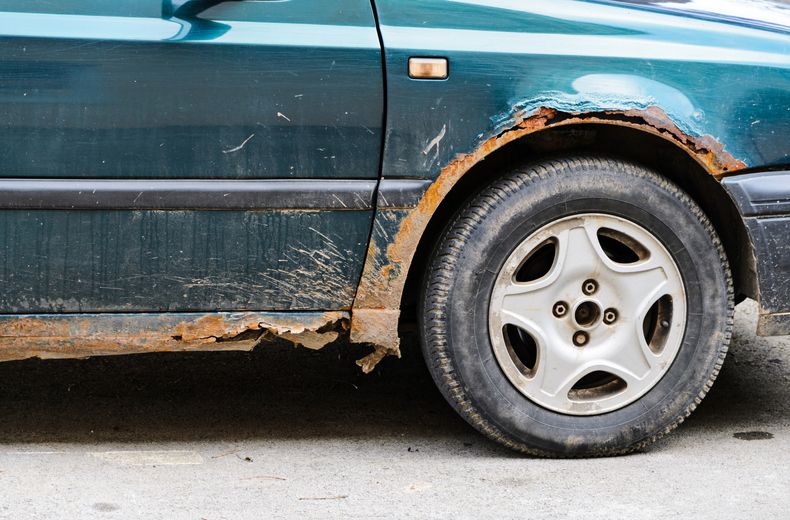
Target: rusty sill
<point>84,335</point>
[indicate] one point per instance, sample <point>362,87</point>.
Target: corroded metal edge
<point>397,234</point>
<point>51,336</point>
<point>378,327</point>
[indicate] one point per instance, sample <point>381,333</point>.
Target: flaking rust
<point>377,304</point>
<point>77,336</point>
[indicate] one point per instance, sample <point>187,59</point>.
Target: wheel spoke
<point>580,252</point>
<point>556,370</point>
<point>629,358</point>
<point>638,290</point>
<point>527,305</point>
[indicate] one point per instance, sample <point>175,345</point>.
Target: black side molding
<point>314,194</point>
<point>763,199</point>
<point>760,194</point>
<point>771,241</point>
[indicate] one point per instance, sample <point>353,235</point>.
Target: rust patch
<point>708,152</point>
<point>80,336</point>
<point>384,276</point>
<point>378,327</point>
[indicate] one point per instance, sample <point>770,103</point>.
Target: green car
<point>568,196</point>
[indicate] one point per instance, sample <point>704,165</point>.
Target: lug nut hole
<point>589,287</point>
<point>580,338</point>
<point>609,316</point>
<point>560,309</point>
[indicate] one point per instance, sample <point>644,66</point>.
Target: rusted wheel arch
<point>376,308</point>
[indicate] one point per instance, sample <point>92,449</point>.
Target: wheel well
<point>656,153</point>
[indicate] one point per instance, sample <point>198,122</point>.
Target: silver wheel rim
<point>624,306</point>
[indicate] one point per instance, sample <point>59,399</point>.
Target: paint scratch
<point>242,145</point>
<point>434,143</point>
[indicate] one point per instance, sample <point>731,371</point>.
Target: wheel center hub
<point>587,314</point>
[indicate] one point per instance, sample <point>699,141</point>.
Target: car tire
<point>504,351</point>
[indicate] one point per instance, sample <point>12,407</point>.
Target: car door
<point>186,155</point>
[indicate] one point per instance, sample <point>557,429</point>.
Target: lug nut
<point>609,316</point>
<point>589,287</point>
<point>580,338</point>
<point>560,309</point>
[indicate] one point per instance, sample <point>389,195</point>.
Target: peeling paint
<point>376,306</point>
<point>706,150</point>
<point>77,336</point>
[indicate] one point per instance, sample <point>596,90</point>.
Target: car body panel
<point>192,92</point>
<point>210,95</point>
<point>718,90</point>
<point>716,79</point>
<point>196,260</point>
<point>132,91</point>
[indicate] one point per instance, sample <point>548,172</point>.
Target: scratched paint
<point>179,261</point>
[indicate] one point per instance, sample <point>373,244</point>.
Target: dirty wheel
<point>578,307</point>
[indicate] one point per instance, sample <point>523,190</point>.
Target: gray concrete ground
<point>284,432</point>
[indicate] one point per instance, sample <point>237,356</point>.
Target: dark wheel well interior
<point>652,151</point>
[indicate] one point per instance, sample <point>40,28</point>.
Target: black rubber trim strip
<point>760,194</point>
<point>401,193</point>
<point>769,237</point>
<point>314,194</point>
